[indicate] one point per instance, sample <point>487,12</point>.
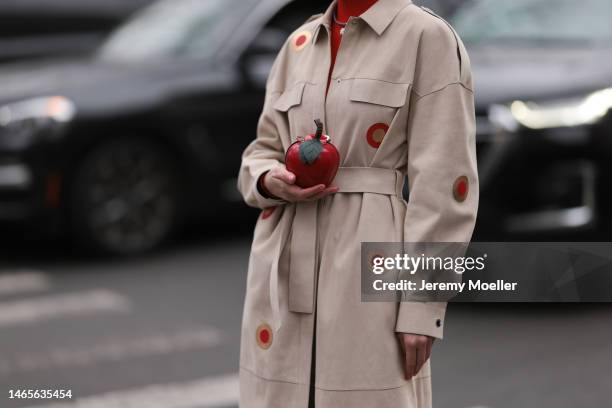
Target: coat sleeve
<point>266,150</point>
<point>442,172</point>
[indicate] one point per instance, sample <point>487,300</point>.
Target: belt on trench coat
<point>303,256</point>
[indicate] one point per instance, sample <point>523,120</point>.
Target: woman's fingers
<point>281,183</point>
<point>417,350</point>
<point>283,174</point>
<point>410,356</point>
<point>296,193</point>
<point>421,353</point>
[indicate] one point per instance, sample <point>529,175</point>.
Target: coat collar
<point>378,17</point>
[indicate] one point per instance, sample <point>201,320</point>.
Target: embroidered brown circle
<point>263,336</point>
<point>461,188</point>
<point>376,134</point>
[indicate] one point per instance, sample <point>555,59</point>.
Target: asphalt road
<point>163,331</point>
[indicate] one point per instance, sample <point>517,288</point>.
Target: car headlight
<point>21,122</point>
<point>57,108</point>
<point>572,112</point>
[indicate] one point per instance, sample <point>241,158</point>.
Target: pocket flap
<point>379,92</point>
<point>290,97</point>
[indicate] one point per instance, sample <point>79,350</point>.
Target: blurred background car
<point>38,28</point>
<point>543,78</point>
<point>123,147</point>
<point>441,7</point>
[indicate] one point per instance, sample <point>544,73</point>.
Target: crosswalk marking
<point>56,306</point>
<point>22,281</point>
<point>208,392</point>
<point>114,350</point>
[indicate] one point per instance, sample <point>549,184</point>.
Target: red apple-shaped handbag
<point>313,159</point>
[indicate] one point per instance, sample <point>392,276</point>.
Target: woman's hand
<point>417,350</point>
<point>280,183</point>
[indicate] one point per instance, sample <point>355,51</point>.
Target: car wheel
<point>125,197</point>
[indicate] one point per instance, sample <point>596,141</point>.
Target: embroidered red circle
<point>267,212</point>
<point>461,188</point>
<point>376,134</point>
<point>300,40</point>
<point>264,336</point>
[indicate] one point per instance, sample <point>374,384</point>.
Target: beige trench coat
<point>400,102</point>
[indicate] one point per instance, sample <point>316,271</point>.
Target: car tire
<point>124,197</point>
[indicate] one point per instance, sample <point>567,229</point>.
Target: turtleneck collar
<point>348,8</point>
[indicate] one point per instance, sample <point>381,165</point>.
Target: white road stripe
<point>114,350</point>
<point>22,281</point>
<point>51,307</point>
<point>208,392</point>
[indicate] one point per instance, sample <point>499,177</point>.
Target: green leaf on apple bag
<point>310,151</point>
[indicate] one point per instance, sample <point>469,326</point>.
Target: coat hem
<point>318,387</point>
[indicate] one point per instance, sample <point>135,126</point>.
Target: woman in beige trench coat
<point>400,102</point>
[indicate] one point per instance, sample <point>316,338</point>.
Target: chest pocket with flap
<point>290,98</point>
<point>375,102</point>
<point>379,92</point>
<point>298,109</point>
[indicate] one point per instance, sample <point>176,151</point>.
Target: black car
<point>543,80</point>
<point>38,28</point>
<point>122,147</point>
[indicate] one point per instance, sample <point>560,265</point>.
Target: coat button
<point>438,323</point>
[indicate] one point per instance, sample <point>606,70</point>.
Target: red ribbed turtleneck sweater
<point>344,10</point>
